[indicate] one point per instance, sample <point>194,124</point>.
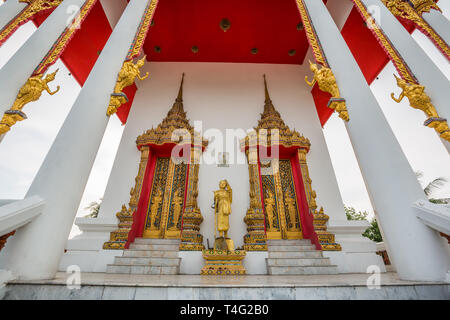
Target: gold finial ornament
<point>30,92</point>
<point>127,75</point>
<point>326,80</point>
<point>418,99</point>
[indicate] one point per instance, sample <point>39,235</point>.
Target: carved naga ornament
<point>127,75</point>
<point>326,81</point>
<point>31,91</point>
<point>411,11</point>
<point>422,6</point>
<point>418,99</point>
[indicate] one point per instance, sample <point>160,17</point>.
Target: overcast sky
<point>24,148</point>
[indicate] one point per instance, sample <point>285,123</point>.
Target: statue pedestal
<point>223,262</point>
<point>223,259</point>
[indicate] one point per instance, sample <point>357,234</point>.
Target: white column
<point>417,251</point>
<point>436,83</point>
<point>35,250</point>
<point>19,68</point>
<point>439,23</point>
<point>9,10</point>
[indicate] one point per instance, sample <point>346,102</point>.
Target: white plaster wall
<point>223,96</point>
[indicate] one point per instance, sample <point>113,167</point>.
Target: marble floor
<point>102,286</point>
<point>349,279</point>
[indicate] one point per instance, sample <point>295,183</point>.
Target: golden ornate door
<point>280,200</point>
<point>166,203</point>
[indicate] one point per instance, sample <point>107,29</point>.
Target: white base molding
<point>358,253</point>
<point>86,250</point>
<point>5,276</point>
<point>102,286</point>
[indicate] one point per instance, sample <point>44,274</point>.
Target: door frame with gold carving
<point>277,182</point>
<point>166,185</point>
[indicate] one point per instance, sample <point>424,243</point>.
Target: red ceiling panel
<point>368,53</point>
<point>270,26</point>
<point>83,49</point>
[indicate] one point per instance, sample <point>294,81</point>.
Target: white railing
<point>16,214</point>
<point>435,216</point>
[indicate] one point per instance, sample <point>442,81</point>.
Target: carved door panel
<point>280,201</point>
<point>166,201</point>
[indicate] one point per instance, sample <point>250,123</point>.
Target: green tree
<point>352,214</point>
<point>373,231</point>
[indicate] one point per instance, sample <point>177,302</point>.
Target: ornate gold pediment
<point>175,127</point>
<point>272,130</point>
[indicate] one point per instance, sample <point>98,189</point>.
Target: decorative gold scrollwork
<point>31,91</point>
<point>34,6</point>
<point>403,9</point>
<point>326,80</point>
<point>127,75</point>
<point>422,6</point>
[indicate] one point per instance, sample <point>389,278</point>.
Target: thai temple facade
<point>223,168</point>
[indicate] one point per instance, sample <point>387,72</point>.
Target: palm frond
<point>433,185</point>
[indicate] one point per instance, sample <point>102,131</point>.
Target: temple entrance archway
<point>167,197</point>
<point>282,219</point>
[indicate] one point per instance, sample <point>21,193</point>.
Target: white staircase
<point>148,256</point>
<point>294,257</point>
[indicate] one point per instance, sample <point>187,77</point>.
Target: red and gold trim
<point>139,39</point>
<point>404,11</point>
<point>58,47</point>
<point>386,44</point>
<point>34,7</point>
<point>422,6</point>
<point>311,34</point>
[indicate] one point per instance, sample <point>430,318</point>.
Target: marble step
<point>156,241</point>
<point>288,242</point>
<point>290,248</point>
<point>150,261</point>
<point>154,270</point>
<point>156,247</point>
<point>295,254</point>
<point>302,262</point>
<point>150,253</point>
<point>302,270</point>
